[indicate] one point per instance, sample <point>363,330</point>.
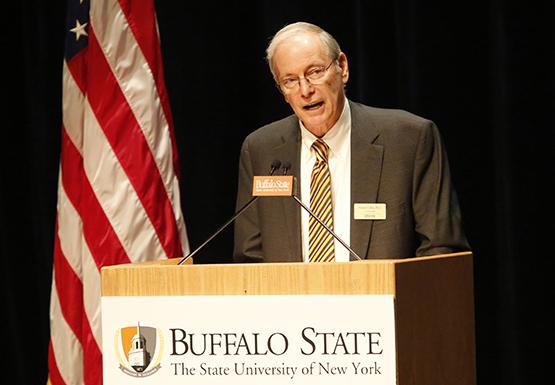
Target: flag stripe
<point>70,291</point>
<point>73,101</point>
<point>92,363</point>
<point>54,376</point>
<point>128,142</point>
<point>91,296</point>
<point>67,351</point>
<point>78,69</point>
<point>70,233</point>
<point>142,22</point>
<point>104,245</point>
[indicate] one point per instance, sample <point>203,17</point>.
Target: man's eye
<point>315,71</point>
<point>289,82</point>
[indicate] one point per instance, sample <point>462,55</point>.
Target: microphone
<point>286,166</point>
<point>276,164</point>
<point>305,207</point>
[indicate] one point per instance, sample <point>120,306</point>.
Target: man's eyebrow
<point>307,68</point>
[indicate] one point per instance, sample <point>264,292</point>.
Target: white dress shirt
<point>338,138</point>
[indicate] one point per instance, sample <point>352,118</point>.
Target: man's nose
<point>306,88</point>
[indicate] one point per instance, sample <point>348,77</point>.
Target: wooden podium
<point>434,303</point>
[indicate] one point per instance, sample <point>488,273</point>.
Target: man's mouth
<point>313,106</point>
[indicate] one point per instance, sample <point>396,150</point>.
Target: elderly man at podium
<point>378,178</point>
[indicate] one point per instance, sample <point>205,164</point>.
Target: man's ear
<point>344,65</point>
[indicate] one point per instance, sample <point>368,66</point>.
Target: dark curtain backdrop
<point>483,71</point>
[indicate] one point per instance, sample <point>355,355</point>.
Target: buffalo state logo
<point>139,350</point>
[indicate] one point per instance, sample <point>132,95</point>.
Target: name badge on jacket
<point>370,211</point>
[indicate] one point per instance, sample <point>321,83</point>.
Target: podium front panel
<point>249,340</point>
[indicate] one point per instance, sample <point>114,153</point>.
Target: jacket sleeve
<point>435,205</point>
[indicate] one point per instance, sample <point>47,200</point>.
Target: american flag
<point>118,189</point>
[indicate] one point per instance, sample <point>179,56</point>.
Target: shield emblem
<point>138,344</point>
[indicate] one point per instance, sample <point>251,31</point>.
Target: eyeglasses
<point>315,75</point>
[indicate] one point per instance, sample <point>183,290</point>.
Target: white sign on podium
<point>249,340</point>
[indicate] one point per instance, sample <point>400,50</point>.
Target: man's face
<point>318,106</point>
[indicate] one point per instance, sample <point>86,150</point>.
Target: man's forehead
<point>301,42</point>
<point>298,52</point>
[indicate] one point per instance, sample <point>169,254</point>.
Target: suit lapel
<point>366,168</point>
<point>290,150</point>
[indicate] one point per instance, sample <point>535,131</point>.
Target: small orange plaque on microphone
<point>272,186</point>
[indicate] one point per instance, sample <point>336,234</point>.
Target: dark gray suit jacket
<point>396,158</point>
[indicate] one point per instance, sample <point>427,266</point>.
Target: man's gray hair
<point>290,30</point>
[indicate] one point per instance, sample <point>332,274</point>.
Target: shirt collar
<point>336,136</point>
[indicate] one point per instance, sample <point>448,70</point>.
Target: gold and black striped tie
<point>321,246</point>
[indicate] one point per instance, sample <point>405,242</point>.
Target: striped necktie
<point>321,246</point>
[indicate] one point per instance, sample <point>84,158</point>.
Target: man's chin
<point>316,120</point>
<point>319,129</point>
